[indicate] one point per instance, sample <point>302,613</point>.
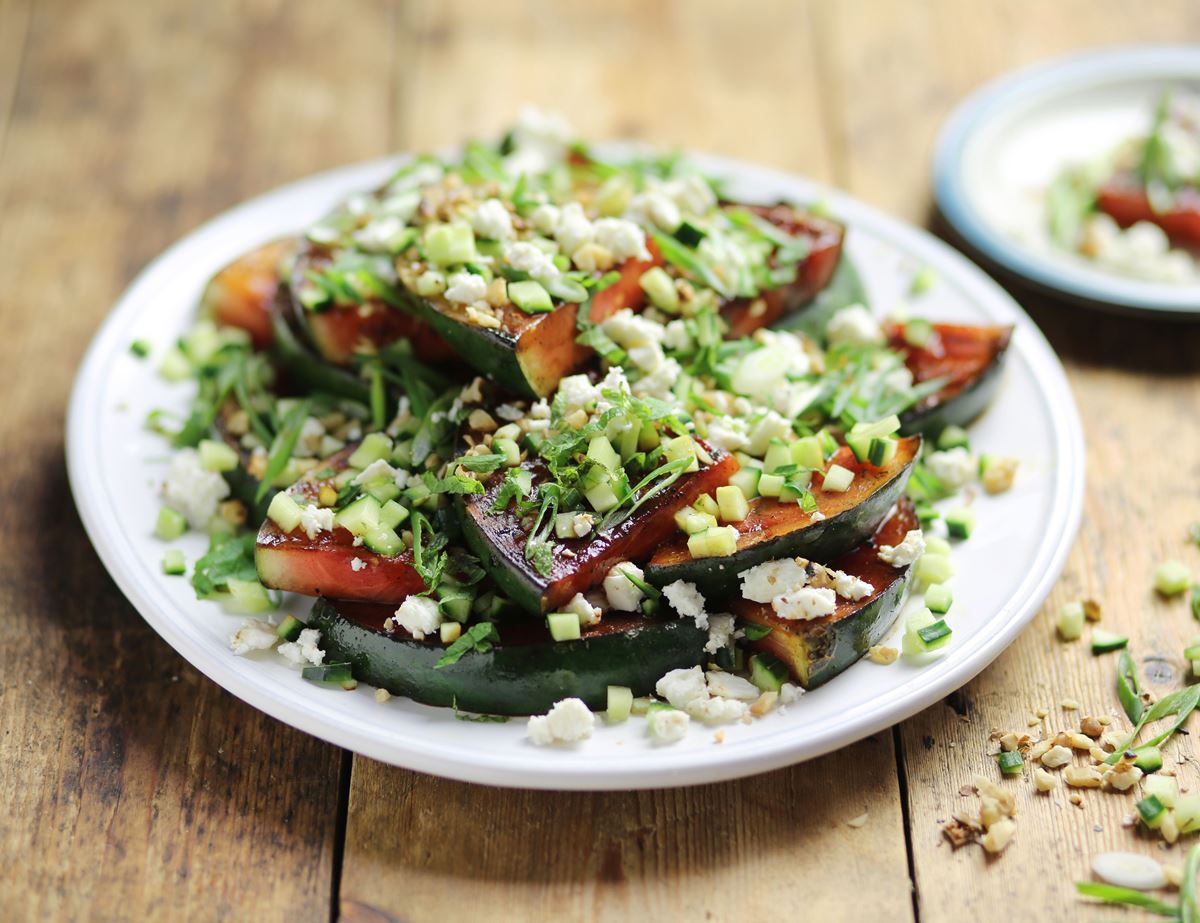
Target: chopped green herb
<point>480,638</point>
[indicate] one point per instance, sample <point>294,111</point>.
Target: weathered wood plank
<point>702,75</point>
<point>1137,390</point>
<point>133,788</point>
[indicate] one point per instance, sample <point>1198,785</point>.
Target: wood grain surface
<point>134,789</point>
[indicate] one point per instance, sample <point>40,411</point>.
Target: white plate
<point>1001,148</point>
<point>1005,571</point>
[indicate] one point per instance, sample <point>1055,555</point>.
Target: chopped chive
<point>140,348</point>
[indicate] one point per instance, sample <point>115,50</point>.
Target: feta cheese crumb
<point>573,229</point>
<point>545,218</point>
<point>304,650</point>
<point>732,686</point>
<point>789,693</point>
<point>531,259</point>
<point>906,552</point>
<point>419,616</point>
<point>315,519</point>
<point>466,288</point>
<point>850,587</point>
<point>763,582</point>
<point>192,490</point>
<point>805,603</point>
<point>954,467</point>
<point>687,600</point>
<point>568,722</point>
<point>622,238</point>
<point>492,220</point>
<point>854,326</point>
<point>357,564</point>
<point>588,614</point>
<point>687,689</point>
<point>721,632</point>
<point>622,594</point>
<point>253,635</point>
<point>667,725</point>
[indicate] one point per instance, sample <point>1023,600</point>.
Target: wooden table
<point>133,788</point>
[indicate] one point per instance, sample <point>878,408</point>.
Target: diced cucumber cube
<point>935,544</point>
<point>682,447</point>
<point>714,542</point>
<point>732,503</point>
<point>779,455</point>
<point>284,511</point>
<point>934,636</point>
<point>918,332</point>
<point>170,524</point>
<point>1104,642</point>
<point>247,596</point>
<point>447,244</point>
<point>455,602</point>
<point>768,673</point>
<point>430,284</point>
<point>173,563</point>
<point>746,480</point>
<point>953,437</point>
<point>360,517</point>
<point>961,522</point>
<point>1010,763</point>
<point>771,485</point>
<point>383,491</point>
<point>392,514</point>
<point>383,540</point>
<point>602,497</point>
<point>912,644</point>
<point>706,504</point>
<point>530,296</point>
<point>692,521</point>
<point>1187,813</point>
<point>564,626</point>
<point>509,449</point>
<point>175,366</point>
<point>217,456</point>
<point>1151,811</point>
<point>1070,621</point>
<point>660,289</point>
<point>373,447</point>
<point>939,598</point>
<point>883,427</point>
<point>289,629</point>
<point>933,569</point>
<point>838,479</point>
<point>1150,759</point>
<point>806,452</point>
<point>619,704</point>
<point>1172,577</point>
<point>600,450</point>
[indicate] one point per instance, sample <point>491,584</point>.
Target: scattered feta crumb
<point>315,519</point>
<point>854,326</point>
<point>419,616</point>
<point>687,600</point>
<point>192,490</point>
<point>305,649</point>
<point>620,591</point>
<point>906,552</point>
<point>789,693</point>
<point>357,564</point>
<point>721,632</point>
<point>667,725</point>
<point>568,722</point>
<point>622,238</point>
<point>588,614</point>
<point>492,220</point>
<point>850,587</point>
<point>531,259</point>
<point>805,603</point>
<point>954,467</point>
<point>466,288</point>
<point>731,686</point>
<point>382,695</point>
<point>378,470</point>
<point>253,635</point>
<point>765,581</point>
<point>686,689</point>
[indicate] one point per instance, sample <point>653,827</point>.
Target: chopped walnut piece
<point>1069,705</point>
<point>1091,727</point>
<point>960,832</point>
<point>1091,610</point>
<point>1122,775</point>
<point>1044,781</point>
<point>764,704</point>
<point>882,655</point>
<point>1009,742</point>
<point>1173,874</point>
<point>998,835</point>
<point>1038,750</point>
<point>1083,777</point>
<point>1056,756</point>
<point>1076,799</point>
<point>1168,828</point>
<point>1080,741</point>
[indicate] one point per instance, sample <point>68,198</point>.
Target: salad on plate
<point>547,434</point>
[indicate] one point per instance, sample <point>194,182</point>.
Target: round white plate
<point>1005,570</point>
<point>1002,147</point>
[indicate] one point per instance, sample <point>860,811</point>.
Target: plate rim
<point>951,194</point>
<point>748,757</point>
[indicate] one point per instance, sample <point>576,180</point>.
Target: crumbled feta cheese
<point>763,582</point>
<point>628,329</point>
<point>509,412</point>
<point>687,689</point>
<point>308,443</point>
<point>581,524</point>
<point>574,229</point>
<point>540,410</point>
<point>545,218</point>
<point>721,632</point>
<point>660,382</point>
<point>531,259</point>
<point>192,490</point>
<point>253,635</point>
<point>954,467</point>
<point>652,209</point>
<point>568,722</point>
<point>622,594</point>
<point>789,693</point>
<point>622,238</point>
<point>492,220</point>
<point>732,686</point>
<point>315,519</point>
<point>906,552</point>
<point>854,326</point>
<point>588,614</point>
<point>575,392</point>
<point>692,194</point>
<point>805,603</point>
<point>357,564</point>
<point>466,288</point>
<point>304,650</point>
<point>728,433</point>
<point>849,586</point>
<point>378,470</point>
<point>676,335</point>
<point>667,725</point>
<point>687,600</point>
<point>419,616</point>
